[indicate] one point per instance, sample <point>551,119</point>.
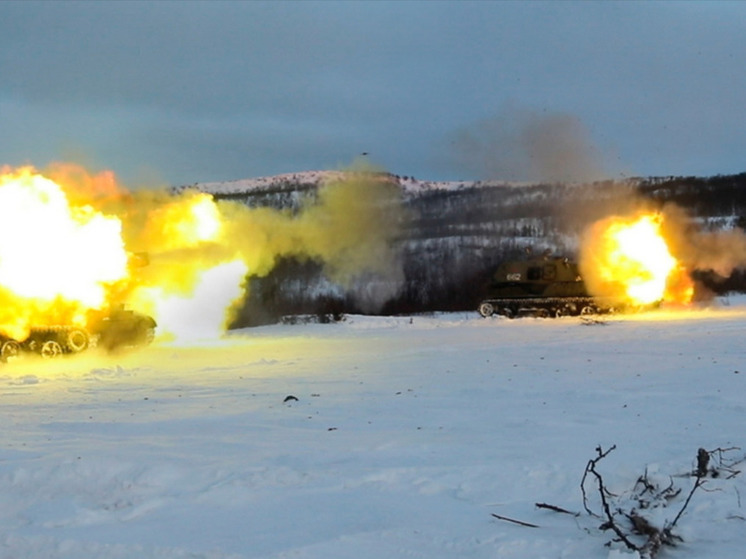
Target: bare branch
<point>610,523</point>
<point>696,485</point>
<point>591,468</point>
<point>629,525</point>
<point>727,466</point>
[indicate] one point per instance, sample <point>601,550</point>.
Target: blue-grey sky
<point>183,92</point>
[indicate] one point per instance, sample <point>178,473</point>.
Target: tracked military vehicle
<point>544,287</point>
<point>119,328</point>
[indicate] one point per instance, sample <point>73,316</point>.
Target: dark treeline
<point>456,238</point>
<point>720,195</point>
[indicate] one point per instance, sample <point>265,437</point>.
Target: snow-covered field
<point>407,435</point>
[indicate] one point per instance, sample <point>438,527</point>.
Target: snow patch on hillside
<point>409,185</point>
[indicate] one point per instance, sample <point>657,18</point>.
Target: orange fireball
<point>629,258</point>
<point>62,255</point>
<point>57,260</point>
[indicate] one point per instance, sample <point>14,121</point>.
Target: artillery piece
<point>112,330</point>
<point>543,287</point>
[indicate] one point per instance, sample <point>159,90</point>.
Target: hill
<point>458,232</point>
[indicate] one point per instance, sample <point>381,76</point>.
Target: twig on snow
<point>555,508</point>
<point>514,521</point>
<point>591,468</point>
<point>610,523</point>
<point>655,538</point>
<point>728,467</point>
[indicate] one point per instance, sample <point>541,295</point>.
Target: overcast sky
<point>184,92</point>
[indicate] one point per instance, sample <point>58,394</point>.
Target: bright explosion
<point>64,251</point>
<point>77,251</point>
<point>630,260</point>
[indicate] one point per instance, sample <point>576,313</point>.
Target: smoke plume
<point>349,226</point>
<point>523,145</point>
<point>720,251</point>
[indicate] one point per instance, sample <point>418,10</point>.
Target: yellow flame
<point>194,275</point>
<point>184,222</point>
<point>630,259</point>
<point>43,238</point>
<point>55,258</point>
<point>60,257</point>
<point>640,255</point>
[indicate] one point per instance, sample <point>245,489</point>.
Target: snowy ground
<point>406,437</point>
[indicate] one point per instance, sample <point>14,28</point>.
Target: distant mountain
<point>409,185</point>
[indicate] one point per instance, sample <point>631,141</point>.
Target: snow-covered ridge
<point>409,185</point>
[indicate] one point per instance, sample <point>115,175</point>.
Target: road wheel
<point>76,341</point>
<point>50,349</point>
<point>9,349</point>
<point>486,309</point>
